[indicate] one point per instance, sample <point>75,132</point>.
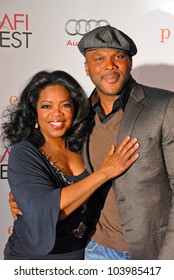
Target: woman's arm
<point>116,162</point>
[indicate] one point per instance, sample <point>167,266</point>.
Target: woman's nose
<point>57,111</point>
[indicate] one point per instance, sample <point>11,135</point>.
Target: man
<point>137,218</point>
<point>137,215</point>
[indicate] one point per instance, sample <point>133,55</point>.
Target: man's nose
<point>110,64</point>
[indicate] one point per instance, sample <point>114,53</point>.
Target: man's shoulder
<point>151,92</point>
<point>156,90</point>
<point>151,95</point>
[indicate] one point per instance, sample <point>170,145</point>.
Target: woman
<point>56,195</point>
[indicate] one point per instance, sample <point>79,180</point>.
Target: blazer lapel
<point>85,156</point>
<point>132,111</point>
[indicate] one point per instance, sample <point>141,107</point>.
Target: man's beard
<point>111,94</point>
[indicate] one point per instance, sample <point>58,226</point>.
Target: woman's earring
<point>36,125</point>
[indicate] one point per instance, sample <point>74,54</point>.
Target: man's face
<point>108,69</point>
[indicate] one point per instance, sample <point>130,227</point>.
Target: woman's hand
<point>13,206</point>
<point>119,160</point>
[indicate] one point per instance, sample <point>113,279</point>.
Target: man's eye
<point>99,58</point>
<point>118,57</point>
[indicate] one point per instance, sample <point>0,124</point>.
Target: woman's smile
<point>57,124</point>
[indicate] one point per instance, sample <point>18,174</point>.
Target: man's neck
<point>107,103</point>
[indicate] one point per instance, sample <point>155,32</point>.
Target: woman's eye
<point>45,106</point>
<point>67,105</point>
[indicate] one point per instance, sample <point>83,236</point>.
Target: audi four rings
<point>82,26</point>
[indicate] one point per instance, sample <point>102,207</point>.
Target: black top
<point>37,234</point>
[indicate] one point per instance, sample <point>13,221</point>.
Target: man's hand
<point>13,206</point>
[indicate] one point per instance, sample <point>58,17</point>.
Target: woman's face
<point>55,112</point>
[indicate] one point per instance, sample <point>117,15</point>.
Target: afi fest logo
<point>81,27</point>
<point>4,154</point>
<point>14,31</point>
<point>3,164</point>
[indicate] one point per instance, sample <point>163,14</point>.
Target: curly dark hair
<point>21,118</point>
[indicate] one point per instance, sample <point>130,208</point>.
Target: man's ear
<point>86,68</point>
<point>131,63</point>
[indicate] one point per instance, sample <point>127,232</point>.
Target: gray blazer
<point>145,191</point>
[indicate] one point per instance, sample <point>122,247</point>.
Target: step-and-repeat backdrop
<point>43,35</point>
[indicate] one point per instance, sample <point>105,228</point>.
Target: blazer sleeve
<point>167,251</point>
<point>37,196</point>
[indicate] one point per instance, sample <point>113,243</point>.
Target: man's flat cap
<point>107,37</point>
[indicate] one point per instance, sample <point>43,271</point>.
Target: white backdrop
<point>33,37</point>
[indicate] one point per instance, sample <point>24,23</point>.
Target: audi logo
<point>82,26</point>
